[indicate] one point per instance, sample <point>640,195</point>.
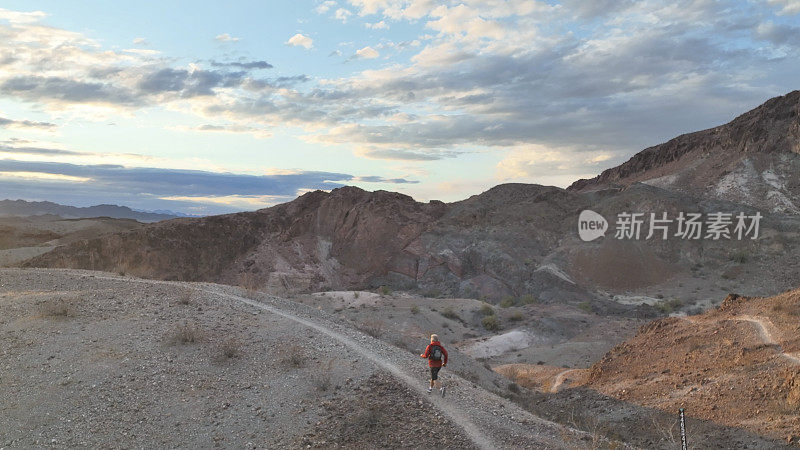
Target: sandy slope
<point>99,377</point>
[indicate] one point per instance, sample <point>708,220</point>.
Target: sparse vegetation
<point>668,306</point>
<point>792,309</point>
<point>491,323</point>
<point>508,301</point>
<point>384,290</point>
<point>513,387</point>
<point>186,333</point>
<point>486,310</point>
<point>585,306</point>
<point>230,348</point>
<point>293,356</point>
<point>249,282</point>
<point>415,309</point>
<point>185,299</point>
<point>356,294</point>
<point>450,314</point>
<point>739,257</point>
<point>59,308</point>
<point>528,299</point>
<point>322,378</point>
<point>374,328</point>
<point>516,317</point>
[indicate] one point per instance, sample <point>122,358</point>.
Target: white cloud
<point>225,37</point>
<point>325,6</point>
<point>140,41</point>
<point>300,40</point>
<point>787,7</point>
<point>377,25</point>
<point>342,14</point>
<point>367,53</point>
<point>18,17</point>
<point>553,166</point>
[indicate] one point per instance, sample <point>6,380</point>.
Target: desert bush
<point>508,302</point>
<point>513,387</point>
<point>249,282</point>
<point>486,310</point>
<point>433,293</point>
<point>59,308</point>
<point>668,306</point>
<point>186,333</point>
<point>792,309</point>
<point>491,323</point>
<point>322,381</point>
<point>415,309</point>
<point>528,299</point>
<point>374,328</point>
<point>356,294</point>
<point>450,314</point>
<point>322,378</point>
<point>185,299</point>
<point>516,317</point>
<point>230,348</point>
<point>585,306</point>
<point>384,290</point>
<point>739,257</point>
<point>293,356</point>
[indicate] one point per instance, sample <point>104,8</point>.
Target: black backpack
<point>436,353</point>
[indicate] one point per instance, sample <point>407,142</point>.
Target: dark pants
<point>435,373</point>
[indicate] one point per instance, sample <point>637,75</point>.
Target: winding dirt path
<point>488,420</point>
<point>763,327</point>
<point>560,378</point>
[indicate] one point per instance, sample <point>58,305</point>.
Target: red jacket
<point>432,362</point>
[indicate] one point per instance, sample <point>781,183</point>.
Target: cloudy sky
<point>208,107</point>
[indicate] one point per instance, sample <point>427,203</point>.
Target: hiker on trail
<point>437,358</point>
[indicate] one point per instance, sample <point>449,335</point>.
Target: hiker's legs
<point>435,377</point>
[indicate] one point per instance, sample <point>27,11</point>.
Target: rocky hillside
<point>513,240</point>
<point>738,365</point>
<point>754,159</point>
<point>22,208</point>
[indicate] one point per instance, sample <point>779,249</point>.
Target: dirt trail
<point>763,326</point>
<point>488,420</point>
<point>559,379</point>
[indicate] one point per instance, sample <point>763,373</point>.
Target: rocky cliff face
<point>512,240</point>
<point>754,159</point>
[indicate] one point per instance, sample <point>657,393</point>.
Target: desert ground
<point>93,359</point>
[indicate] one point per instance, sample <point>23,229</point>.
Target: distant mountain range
<point>512,240</point>
<point>22,208</point>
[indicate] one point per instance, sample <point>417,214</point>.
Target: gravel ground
<point>93,359</point>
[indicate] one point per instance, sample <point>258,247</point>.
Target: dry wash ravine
<point>488,420</point>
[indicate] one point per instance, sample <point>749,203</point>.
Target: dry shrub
<point>293,356</point>
<point>322,378</point>
<point>374,328</point>
<point>59,308</point>
<point>791,309</point>
<point>230,348</point>
<point>185,299</point>
<point>250,283</point>
<point>186,333</point>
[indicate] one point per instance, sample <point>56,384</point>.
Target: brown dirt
<point>720,366</point>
